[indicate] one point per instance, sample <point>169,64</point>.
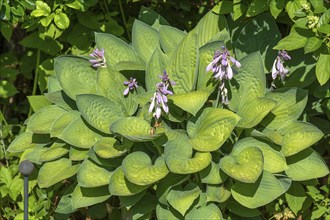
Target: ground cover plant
<point>188,125</point>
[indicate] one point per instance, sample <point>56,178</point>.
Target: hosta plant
<point>172,126</point>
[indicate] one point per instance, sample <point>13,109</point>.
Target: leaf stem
<point>35,81</point>
<point>124,19</point>
<point>215,104</point>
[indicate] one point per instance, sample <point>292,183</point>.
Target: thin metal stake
<point>26,168</point>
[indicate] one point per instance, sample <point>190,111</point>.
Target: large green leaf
<point>144,208</point>
<point>306,165</point>
<point>155,68</point>
<point>166,212</point>
<point>56,151</point>
<point>129,201</point>
<point>170,37</point>
<point>295,197</point>
<point>78,134</point>
<point>99,111</point>
<point>53,172</point>
<point>118,54</point>
<point>263,40</point>
<point>211,129</point>
<point>41,122</point>
<point>290,103</point>
<point>133,128</point>
<point>108,147</point>
<point>120,186</point>
<point>91,175</point>
<point>206,53</point>
<point>245,166</point>
<point>37,102</point>
<point>62,122</point>
<point>110,84</point>
<point>212,174</point>
<point>265,190</point>
<point>297,136</point>
<point>182,198</point>
<point>217,193</point>
<point>323,68</point>
<point>196,101</point>
<point>295,40</point>
<point>183,64</point>
<point>139,169</point>
<point>145,39</point>
<point>274,161</point>
<point>61,99</point>
<point>179,157</point>
<point>75,75</point>
<point>83,197</point>
<point>27,140</point>
<point>210,212</point>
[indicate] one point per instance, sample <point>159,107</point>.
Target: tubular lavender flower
<point>278,67</point>
<point>99,59</point>
<point>222,71</point>
<point>131,84</point>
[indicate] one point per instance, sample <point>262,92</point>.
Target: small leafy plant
<point>172,126</point>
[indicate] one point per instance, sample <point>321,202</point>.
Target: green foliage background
<point>34,33</point>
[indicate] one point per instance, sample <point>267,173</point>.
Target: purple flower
<point>220,64</point>
<point>278,67</point>
<point>159,100</point>
<point>99,59</point>
<point>131,84</point>
<point>166,79</point>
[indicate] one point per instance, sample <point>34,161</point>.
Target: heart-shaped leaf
<point>211,129</point>
<point>274,161</point>
<point>217,193</point>
<point>83,197</point>
<point>246,166</point>
<point>178,157</point>
<point>91,175</point>
<point>306,165</point>
<point>56,151</point>
<point>138,168</point>
<point>170,37</point>
<point>75,75</point>
<point>53,172</point>
<point>133,128</point>
<point>62,122</point>
<point>212,174</point>
<point>107,111</point>
<point>265,190</point>
<point>27,140</point>
<point>182,199</point>
<point>210,211</point>
<point>120,186</point>
<point>108,147</point>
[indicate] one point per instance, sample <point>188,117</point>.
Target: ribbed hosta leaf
<point>205,79</point>
<point>155,68</point>
<point>212,174</point>
<point>306,165</point>
<point>217,193</point>
<point>53,172</point>
<point>253,111</point>
<point>129,201</point>
<point>118,54</point>
<point>191,102</point>
<point>62,122</point>
<point>56,151</point>
<point>290,103</point>
<point>274,161</point>
<point>120,186</point>
<point>78,154</point>
<point>179,159</point>
<point>139,169</point>
<point>210,211</point>
<point>91,175</point>
<point>99,111</point>
<point>108,147</point>
<point>246,166</point>
<point>182,67</point>
<point>297,136</point>
<point>42,120</point>
<point>145,39</point>
<point>211,129</point>
<point>133,128</point>
<point>265,190</point>
<point>27,140</point>
<point>170,37</point>
<point>75,75</point>
<point>166,212</point>
<point>83,197</point>
<point>61,99</point>
<point>110,84</point>
<point>182,198</point>
<point>78,134</point>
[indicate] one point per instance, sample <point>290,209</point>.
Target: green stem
<point>124,19</point>
<point>215,104</point>
<point>35,81</point>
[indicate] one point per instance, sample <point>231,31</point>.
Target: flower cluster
<point>222,70</point>
<point>99,59</point>
<point>159,100</point>
<point>131,84</point>
<point>278,67</point>
<point>312,21</point>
